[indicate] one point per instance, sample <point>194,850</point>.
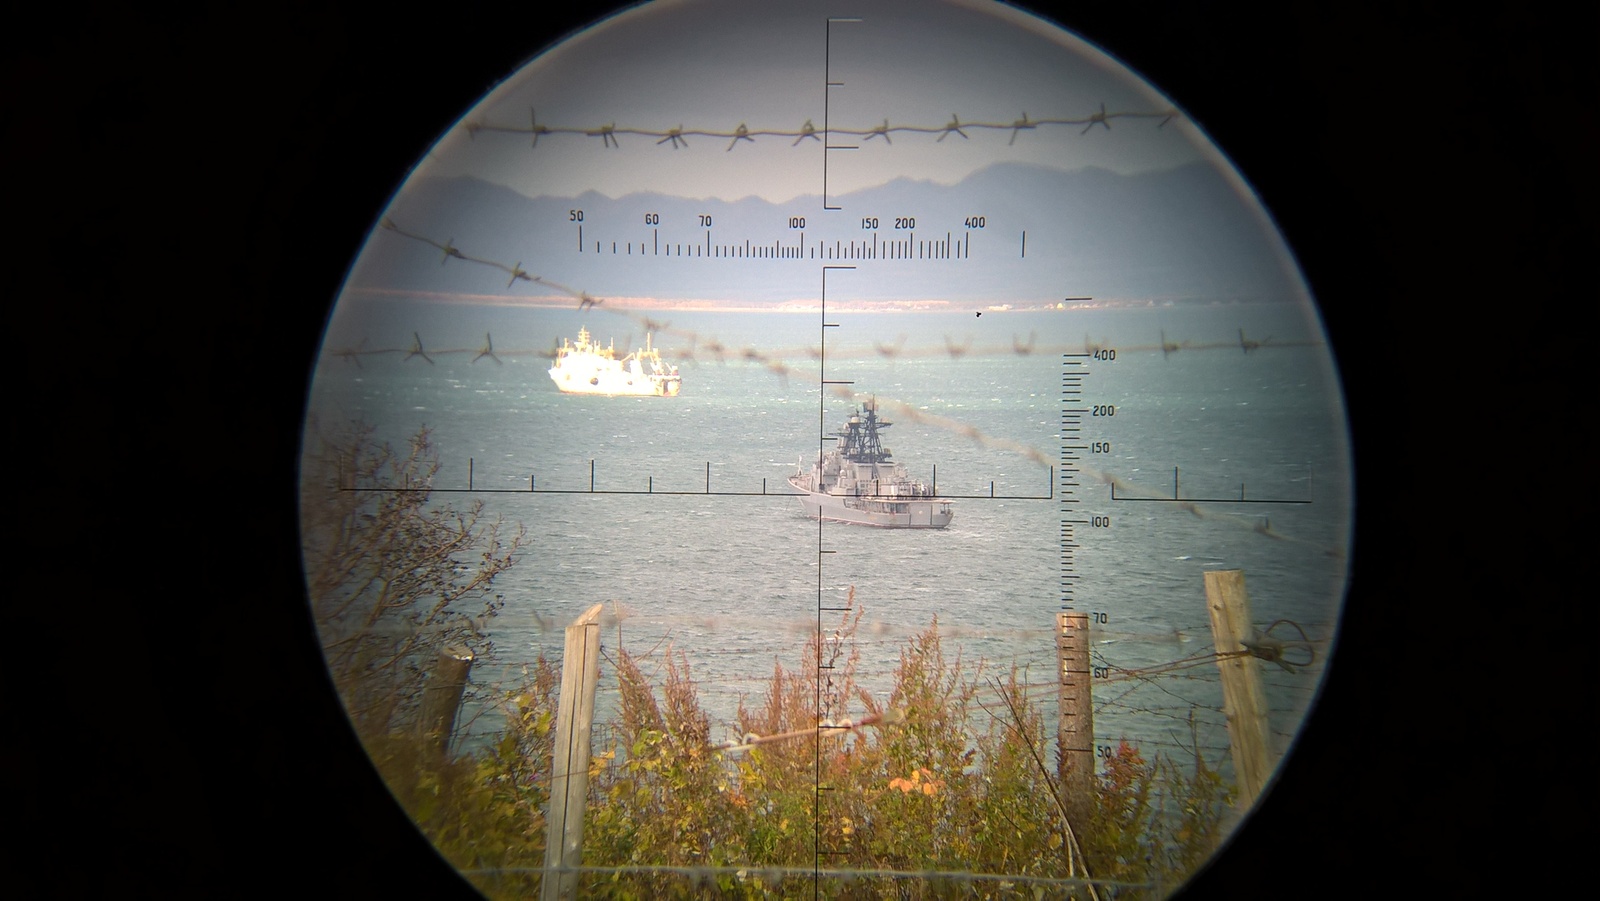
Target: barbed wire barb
<point>1018,126</point>
<point>488,350</point>
<point>955,126</point>
<point>353,354</point>
<point>533,117</point>
<point>517,272</point>
<point>1095,118</point>
<point>416,349</point>
<point>607,135</point>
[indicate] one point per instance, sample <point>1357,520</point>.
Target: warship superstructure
<point>858,481</point>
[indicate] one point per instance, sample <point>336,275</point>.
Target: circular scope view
<point>826,449</point>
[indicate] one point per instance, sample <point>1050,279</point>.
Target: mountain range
<point>1018,234</point>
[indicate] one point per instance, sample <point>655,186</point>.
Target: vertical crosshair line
<point>816,776</point>
<point>828,84</point>
<point>822,424</point>
<point>822,394</point>
<point>822,405</point>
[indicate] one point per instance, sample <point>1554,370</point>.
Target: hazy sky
<point>712,65</point>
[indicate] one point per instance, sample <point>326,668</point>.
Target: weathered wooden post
<point>1075,714</point>
<point>1243,701</point>
<point>441,698</point>
<point>580,670</point>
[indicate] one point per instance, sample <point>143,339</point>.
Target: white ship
<point>857,482</point>
<point>584,367</point>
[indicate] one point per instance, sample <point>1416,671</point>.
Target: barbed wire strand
<point>678,138</point>
<point>722,354</point>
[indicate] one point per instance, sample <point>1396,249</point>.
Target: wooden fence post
<point>1243,700</point>
<point>1075,713</point>
<point>441,697</point>
<point>569,788</point>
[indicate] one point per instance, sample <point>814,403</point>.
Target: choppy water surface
<point>731,579</point>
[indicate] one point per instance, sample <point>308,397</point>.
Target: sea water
<point>691,544</point>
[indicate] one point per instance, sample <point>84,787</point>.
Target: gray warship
<point>857,482</point>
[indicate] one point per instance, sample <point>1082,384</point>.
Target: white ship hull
<point>587,368</point>
<point>577,379</point>
<point>884,511</point>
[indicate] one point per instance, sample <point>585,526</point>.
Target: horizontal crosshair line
<point>645,491</point>
<point>1201,500</point>
<point>699,493</point>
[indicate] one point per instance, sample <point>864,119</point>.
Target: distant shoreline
<point>640,304</point>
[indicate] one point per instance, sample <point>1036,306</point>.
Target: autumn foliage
<point>948,791</point>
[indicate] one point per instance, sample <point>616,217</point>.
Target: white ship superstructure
<point>585,367</point>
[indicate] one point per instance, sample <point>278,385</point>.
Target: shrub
<point>948,776</point>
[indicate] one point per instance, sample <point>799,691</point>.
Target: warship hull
<point>884,511</point>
